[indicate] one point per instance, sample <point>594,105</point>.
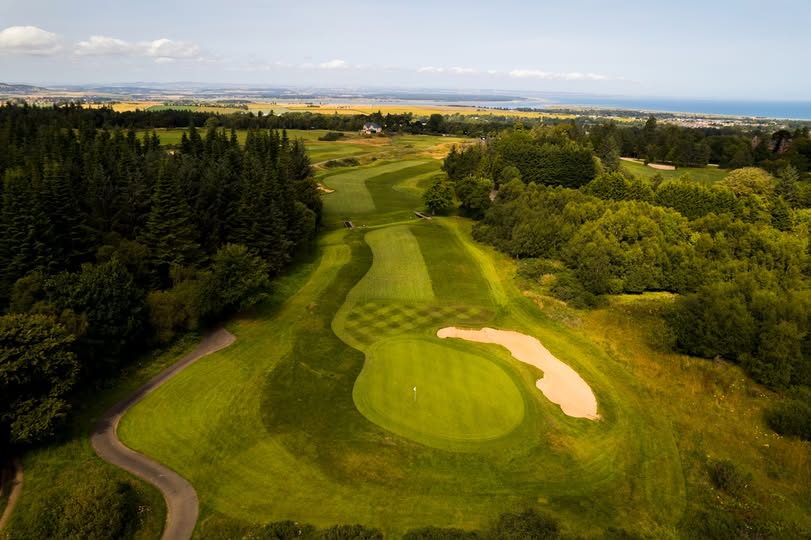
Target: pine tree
<point>170,233</point>
<point>781,215</point>
<point>24,227</point>
<point>64,237</point>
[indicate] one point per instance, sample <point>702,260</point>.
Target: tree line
<point>111,244</point>
<point>653,141</point>
<point>74,116</point>
<point>728,147</point>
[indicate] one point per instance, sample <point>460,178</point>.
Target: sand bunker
<point>560,383</point>
<point>662,167</point>
<point>325,189</point>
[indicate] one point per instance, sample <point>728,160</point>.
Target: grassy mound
<point>460,396</point>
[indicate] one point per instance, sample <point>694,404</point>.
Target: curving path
<point>181,499</point>
<point>16,489</point>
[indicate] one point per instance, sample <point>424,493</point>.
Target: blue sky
<point>725,49</point>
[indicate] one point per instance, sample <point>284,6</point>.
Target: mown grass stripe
<point>352,195</point>
<point>398,269</point>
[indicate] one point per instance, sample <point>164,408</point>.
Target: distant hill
<point>20,89</point>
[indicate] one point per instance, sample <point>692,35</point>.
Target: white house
<point>370,127</point>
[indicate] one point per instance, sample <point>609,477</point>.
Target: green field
<point>196,108</point>
<point>351,145</point>
<point>376,193</point>
<point>248,426</point>
<point>706,175</point>
<point>310,415</point>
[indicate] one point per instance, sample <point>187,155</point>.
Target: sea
<point>794,110</point>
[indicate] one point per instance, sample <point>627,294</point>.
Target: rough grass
<point>715,409</point>
<point>460,396</point>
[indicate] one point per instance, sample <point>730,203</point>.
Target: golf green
<point>459,396</point>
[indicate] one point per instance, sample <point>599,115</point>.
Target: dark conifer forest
<point>111,244</point>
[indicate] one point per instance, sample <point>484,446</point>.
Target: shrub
<point>534,268</point>
<point>714,524</point>
<point>220,527</point>
<point>726,477</point>
<point>97,509</point>
<point>792,417</point>
<point>569,289</point>
<point>283,530</point>
<point>349,532</point>
<point>613,533</point>
<point>345,162</point>
<point>526,525</point>
<point>436,533</point>
<point>331,136</point>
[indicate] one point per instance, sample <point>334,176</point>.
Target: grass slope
<point>352,194</point>
<point>388,198</point>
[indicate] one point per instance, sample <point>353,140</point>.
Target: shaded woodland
<point>111,244</point>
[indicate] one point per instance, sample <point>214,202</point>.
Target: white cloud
<point>29,40</point>
<point>334,64</point>
<point>166,48</point>
<point>517,73</point>
<point>463,70</point>
<point>104,45</point>
<point>455,70</point>
<point>163,50</point>
<point>555,76</point>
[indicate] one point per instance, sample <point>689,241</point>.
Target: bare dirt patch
<point>560,384</point>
